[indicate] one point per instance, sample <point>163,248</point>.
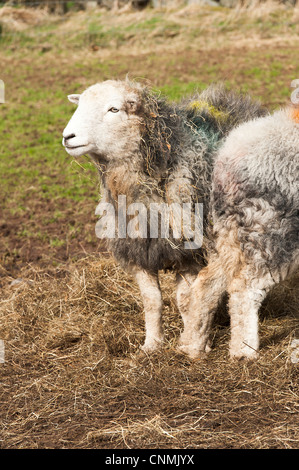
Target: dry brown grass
<point>251,24</point>
<point>18,19</point>
<point>74,376</point>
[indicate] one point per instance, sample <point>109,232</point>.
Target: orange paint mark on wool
<point>295,115</point>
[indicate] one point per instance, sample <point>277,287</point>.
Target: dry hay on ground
<point>73,376</point>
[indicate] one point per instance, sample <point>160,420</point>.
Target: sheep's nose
<point>69,137</point>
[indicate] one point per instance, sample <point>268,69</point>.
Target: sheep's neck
<point>121,180</point>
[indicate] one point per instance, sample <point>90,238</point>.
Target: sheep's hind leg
<point>152,300</point>
<point>201,303</point>
<point>246,294</point>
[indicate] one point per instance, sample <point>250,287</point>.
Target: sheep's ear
<point>74,98</point>
<point>132,106</point>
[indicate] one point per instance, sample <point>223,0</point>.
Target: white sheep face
<point>105,123</point>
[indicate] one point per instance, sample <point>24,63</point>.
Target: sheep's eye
<point>114,110</point>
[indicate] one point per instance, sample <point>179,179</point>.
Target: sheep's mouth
<point>74,147</point>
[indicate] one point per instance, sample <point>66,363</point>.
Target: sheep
<point>154,152</point>
<point>254,229</point>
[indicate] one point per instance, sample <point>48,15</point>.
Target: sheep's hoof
<point>247,356</point>
<point>192,351</point>
<point>152,346</point>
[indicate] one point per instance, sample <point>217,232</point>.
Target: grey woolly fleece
<point>153,151</point>
<point>256,190</point>
<point>173,164</point>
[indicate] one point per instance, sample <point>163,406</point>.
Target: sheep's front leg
<point>184,281</point>
<point>205,293</point>
<point>245,298</point>
<point>152,300</point>
<point>243,310</point>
